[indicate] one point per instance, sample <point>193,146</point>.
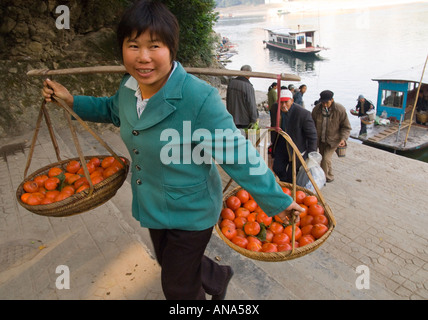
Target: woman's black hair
<point>153,16</point>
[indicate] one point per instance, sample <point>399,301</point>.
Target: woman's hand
<point>293,211</point>
<point>51,88</point>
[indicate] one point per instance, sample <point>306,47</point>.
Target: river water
<point>362,44</point>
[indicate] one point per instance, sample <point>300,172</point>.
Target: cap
<point>360,97</point>
<point>246,68</point>
<point>326,95</point>
<point>285,95</point>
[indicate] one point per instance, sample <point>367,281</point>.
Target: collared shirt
<point>142,103</point>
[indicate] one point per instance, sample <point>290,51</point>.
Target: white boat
<point>293,41</point>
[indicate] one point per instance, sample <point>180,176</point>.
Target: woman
<point>161,111</point>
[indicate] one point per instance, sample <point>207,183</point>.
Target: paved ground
<point>378,199</point>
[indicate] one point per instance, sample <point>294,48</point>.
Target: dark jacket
<point>299,125</point>
<point>241,101</point>
<point>363,111</point>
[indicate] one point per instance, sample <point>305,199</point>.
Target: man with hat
<point>362,107</point>
<point>298,124</point>
<point>333,129</point>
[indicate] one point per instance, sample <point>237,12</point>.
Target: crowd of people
<point>324,129</point>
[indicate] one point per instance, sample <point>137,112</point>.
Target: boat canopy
<point>410,75</point>
<point>396,93</point>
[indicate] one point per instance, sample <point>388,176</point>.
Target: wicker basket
<point>294,252</point>
<point>80,202</point>
<point>422,117</point>
<point>86,200</point>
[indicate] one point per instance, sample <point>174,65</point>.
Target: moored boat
<point>401,121</point>
<point>293,41</point>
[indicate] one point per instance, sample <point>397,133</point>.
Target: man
<point>333,129</point>
<point>362,107</point>
<point>241,100</point>
<point>299,125</point>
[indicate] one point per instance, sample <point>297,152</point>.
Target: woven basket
<point>422,117</point>
<point>86,200</point>
<point>295,252</point>
<point>80,202</point>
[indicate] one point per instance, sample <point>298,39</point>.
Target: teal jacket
<point>183,129</point>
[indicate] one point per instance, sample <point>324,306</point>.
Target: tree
<point>196,19</point>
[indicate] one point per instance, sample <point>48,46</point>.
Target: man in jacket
<point>333,129</point>
<point>299,125</point>
<point>241,100</point>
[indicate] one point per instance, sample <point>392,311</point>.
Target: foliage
<point>196,19</point>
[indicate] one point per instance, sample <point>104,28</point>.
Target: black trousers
<point>186,273</point>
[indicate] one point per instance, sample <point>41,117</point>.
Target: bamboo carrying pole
<point>204,71</point>
<point>416,101</point>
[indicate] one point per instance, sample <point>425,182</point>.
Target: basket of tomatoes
<point>75,185</point>
<point>247,229</point>
<point>63,189</point>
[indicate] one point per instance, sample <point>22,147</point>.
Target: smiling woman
<point>180,202</point>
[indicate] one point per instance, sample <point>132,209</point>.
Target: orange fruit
<point>73,166</point>
<point>40,180</point>
<point>243,195</point>
<point>233,202</point>
<point>315,210</point>
<point>107,162</point>
<point>309,200</point>
<point>319,230</point>
<point>227,213</point>
<point>25,196</point>
<point>251,205</point>
<point>280,238</point>
<point>306,240</point>
<point>252,228</point>
<point>300,196</point>
<point>51,183</point>
<point>276,227</point>
<point>228,232</point>
<point>320,219</point>
<point>239,222</point>
<point>240,241</point>
<point>254,246</point>
<point>289,232</point>
<point>269,247</point>
<point>242,212</point>
<point>55,171</point>
<point>31,186</point>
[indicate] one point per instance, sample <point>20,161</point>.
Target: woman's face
<point>148,60</point>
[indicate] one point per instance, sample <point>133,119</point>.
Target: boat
<point>293,41</point>
<point>397,126</point>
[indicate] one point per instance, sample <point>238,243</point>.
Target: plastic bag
<point>313,163</point>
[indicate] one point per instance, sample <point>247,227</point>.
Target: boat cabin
<point>397,93</point>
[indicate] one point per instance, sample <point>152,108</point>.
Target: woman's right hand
<point>51,88</point>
